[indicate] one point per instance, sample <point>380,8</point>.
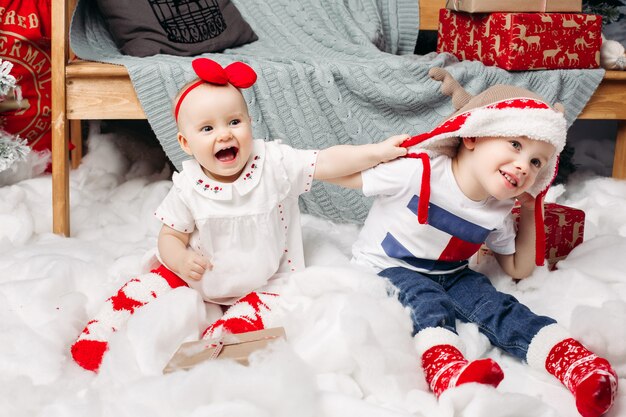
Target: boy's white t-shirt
<point>457,225</point>
<point>249,229</point>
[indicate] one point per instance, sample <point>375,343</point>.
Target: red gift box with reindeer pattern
<point>565,229</point>
<point>522,41</point>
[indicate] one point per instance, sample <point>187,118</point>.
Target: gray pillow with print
<point>175,27</point>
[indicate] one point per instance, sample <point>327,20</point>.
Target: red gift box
<point>482,6</point>
<point>522,41</point>
<point>564,226</point>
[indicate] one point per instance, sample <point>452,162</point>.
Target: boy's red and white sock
<point>590,378</point>
<point>249,313</point>
<point>90,346</point>
<point>446,367</point>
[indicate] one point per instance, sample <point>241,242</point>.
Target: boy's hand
<point>527,201</point>
<point>192,265</point>
<point>390,148</point>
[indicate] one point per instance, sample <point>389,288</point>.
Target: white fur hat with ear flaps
<point>499,111</point>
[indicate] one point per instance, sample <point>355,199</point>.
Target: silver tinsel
<point>12,149</point>
<point>7,81</point>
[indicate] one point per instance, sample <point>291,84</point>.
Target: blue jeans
<point>438,300</point>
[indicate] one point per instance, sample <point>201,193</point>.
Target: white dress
<point>249,229</point>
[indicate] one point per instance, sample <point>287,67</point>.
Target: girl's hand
<point>192,265</point>
<point>390,148</point>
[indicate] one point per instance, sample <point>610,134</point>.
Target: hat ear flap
<point>450,87</point>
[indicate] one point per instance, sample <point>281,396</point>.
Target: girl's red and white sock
<point>590,378</point>
<point>90,346</point>
<point>446,367</point>
<point>249,313</point>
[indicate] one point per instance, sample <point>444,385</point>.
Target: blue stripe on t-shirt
<point>452,224</point>
<point>395,249</point>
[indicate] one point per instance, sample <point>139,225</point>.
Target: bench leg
<point>60,178</point>
<point>60,166</point>
<point>619,159</point>
<point>76,137</point>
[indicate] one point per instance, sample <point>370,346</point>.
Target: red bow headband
<point>238,74</point>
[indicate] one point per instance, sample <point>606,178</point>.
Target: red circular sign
<point>25,43</point>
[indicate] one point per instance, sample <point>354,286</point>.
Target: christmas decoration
<point>7,81</point>
<point>564,230</point>
<point>612,55</point>
<point>12,148</point>
<point>25,38</point>
<point>522,41</point>
<point>482,6</point>
<point>237,346</point>
<point>608,9</point>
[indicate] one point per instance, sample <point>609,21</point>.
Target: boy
<point>499,146</point>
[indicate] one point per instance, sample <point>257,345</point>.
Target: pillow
<point>176,27</point>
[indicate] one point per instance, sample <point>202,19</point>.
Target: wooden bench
<point>88,90</point>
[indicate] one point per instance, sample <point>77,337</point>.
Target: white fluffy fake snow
<point>348,350</point>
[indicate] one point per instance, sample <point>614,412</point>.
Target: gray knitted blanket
<point>330,72</point>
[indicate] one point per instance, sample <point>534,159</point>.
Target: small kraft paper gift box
<point>231,346</point>
<point>522,41</point>
<point>564,226</point>
<point>487,6</point>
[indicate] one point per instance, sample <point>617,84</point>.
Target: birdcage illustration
<point>189,21</point>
